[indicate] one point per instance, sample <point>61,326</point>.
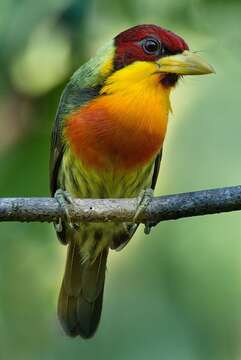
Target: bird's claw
<point>145,198</point>
<point>58,225</point>
<point>148,226</point>
<point>64,199</point>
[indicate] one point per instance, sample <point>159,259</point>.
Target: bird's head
<point>167,52</point>
<point>150,49</point>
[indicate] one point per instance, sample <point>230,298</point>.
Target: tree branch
<point>161,208</point>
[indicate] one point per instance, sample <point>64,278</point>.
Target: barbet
<point>107,143</point>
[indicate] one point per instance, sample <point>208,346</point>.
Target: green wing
<point>72,98</point>
<point>156,170</point>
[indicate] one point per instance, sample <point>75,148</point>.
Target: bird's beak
<point>186,63</point>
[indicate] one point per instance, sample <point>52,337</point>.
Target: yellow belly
<point>85,182</point>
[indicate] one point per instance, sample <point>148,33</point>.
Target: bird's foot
<point>64,199</point>
<point>145,198</point>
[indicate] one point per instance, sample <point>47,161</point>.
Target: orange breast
<point>123,130</point>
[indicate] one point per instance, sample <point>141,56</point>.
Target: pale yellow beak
<point>186,63</point>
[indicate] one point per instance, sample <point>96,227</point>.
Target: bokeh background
<point>177,293</point>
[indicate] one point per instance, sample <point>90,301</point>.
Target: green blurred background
<point>177,293</point>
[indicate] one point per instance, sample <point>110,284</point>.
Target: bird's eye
<point>151,46</point>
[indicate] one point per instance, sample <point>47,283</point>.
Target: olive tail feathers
<point>81,294</point>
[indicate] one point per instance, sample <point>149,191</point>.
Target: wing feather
<point>156,170</point>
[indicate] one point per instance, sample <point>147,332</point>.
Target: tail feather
<point>81,294</point>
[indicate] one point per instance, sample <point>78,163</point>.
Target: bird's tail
<point>81,294</point>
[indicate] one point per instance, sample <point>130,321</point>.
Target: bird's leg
<point>64,199</point>
<point>145,198</point>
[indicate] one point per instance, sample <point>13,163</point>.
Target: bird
<point>107,142</point>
